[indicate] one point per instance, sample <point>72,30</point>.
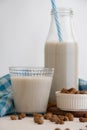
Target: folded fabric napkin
<point>6,95</point>
<point>82,84</point>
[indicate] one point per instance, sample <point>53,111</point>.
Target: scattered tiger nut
<point>85,115</point>
<point>66,118</point>
<point>40,121</point>
<point>82,119</point>
<point>57,121</point>
<point>57,129</point>
<point>20,117</point>
<point>67,129</point>
<point>37,115</point>
<point>13,117</point>
<point>23,115</point>
<point>38,118</point>
<point>54,118</point>
<point>61,122</point>
<point>70,116</point>
<point>48,115</point>
<point>61,117</point>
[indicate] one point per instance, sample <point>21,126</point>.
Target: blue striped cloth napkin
<point>82,85</point>
<point>6,96</point>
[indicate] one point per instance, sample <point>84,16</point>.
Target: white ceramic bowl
<point>71,102</point>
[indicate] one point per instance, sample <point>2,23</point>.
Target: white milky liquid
<point>62,57</point>
<point>31,94</point>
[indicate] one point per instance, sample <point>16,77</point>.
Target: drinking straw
<point>56,20</point>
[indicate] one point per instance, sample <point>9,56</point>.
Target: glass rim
<point>19,71</point>
<point>63,11</point>
<point>29,68</point>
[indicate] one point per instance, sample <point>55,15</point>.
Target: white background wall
<point>24,26</point>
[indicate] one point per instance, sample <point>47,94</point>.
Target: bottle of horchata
<point>63,56</point>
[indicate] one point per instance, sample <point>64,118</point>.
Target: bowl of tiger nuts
<point>71,100</point>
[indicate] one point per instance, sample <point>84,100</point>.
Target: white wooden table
<point>28,124</point>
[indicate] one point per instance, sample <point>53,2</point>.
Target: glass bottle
<point>62,56</point>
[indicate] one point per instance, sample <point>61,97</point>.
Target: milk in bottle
<point>63,56</point>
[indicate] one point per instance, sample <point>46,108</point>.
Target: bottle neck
<point>65,21</point>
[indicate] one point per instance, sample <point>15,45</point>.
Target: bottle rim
<point>63,11</point>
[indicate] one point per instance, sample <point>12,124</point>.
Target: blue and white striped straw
<point>56,21</point>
